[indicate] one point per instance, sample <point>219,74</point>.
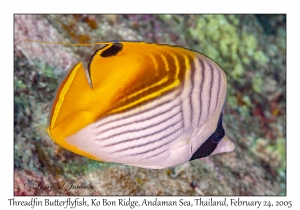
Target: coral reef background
<point>250,48</point>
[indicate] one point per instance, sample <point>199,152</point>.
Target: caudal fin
<point>69,97</point>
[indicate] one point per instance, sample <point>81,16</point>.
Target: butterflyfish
<point>142,104</point>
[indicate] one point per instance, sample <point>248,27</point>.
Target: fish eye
<point>216,137</point>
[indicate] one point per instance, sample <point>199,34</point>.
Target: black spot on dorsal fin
<point>112,50</point>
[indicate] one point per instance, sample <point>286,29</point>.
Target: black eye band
<point>211,143</point>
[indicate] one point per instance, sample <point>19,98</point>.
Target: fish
<point>142,104</point>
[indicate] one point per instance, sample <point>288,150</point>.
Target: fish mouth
<point>225,145</point>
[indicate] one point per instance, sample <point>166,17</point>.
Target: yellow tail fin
<point>69,112</point>
<point>71,96</point>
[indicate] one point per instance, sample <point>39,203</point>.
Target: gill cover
<point>148,105</point>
